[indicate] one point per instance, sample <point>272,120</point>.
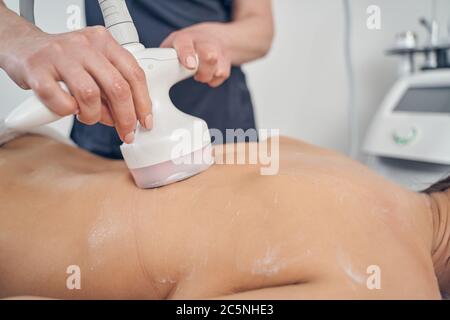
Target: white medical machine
<point>409,138</point>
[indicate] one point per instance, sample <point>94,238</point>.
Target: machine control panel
<point>413,122</point>
<point>405,136</point>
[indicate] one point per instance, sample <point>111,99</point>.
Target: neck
<point>439,211</point>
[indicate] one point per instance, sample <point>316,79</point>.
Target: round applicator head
<point>171,171</point>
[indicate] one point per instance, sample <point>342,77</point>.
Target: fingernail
<point>129,138</point>
<point>148,122</point>
<point>191,62</point>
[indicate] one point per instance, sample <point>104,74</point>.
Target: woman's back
<point>314,230</point>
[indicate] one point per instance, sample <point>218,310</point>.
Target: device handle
<point>115,14</point>
<point>32,113</point>
<point>118,21</point>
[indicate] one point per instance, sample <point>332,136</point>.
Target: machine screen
<point>417,99</point>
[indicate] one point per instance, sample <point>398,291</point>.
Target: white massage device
<point>178,146</point>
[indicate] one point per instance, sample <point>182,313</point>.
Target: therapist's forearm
<point>245,39</point>
<point>249,36</point>
<point>12,27</point>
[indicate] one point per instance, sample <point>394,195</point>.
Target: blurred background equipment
<point>409,138</point>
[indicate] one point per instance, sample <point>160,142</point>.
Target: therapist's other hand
<point>214,63</point>
<point>105,81</point>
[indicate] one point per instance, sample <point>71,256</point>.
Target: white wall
<point>300,87</point>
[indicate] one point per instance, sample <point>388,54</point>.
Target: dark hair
<point>440,186</point>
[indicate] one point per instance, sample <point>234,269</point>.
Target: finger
<point>184,45</point>
<point>208,64</point>
<point>107,118</point>
<point>168,42</point>
<point>84,89</point>
<point>222,73</point>
<point>216,82</point>
<point>118,93</point>
<point>128,66</point>
<point>50,93</point>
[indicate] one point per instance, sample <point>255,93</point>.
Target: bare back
<point>311,231</point>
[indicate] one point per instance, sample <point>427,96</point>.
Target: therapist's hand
<point>105,81</point>
<point>201,40</point>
